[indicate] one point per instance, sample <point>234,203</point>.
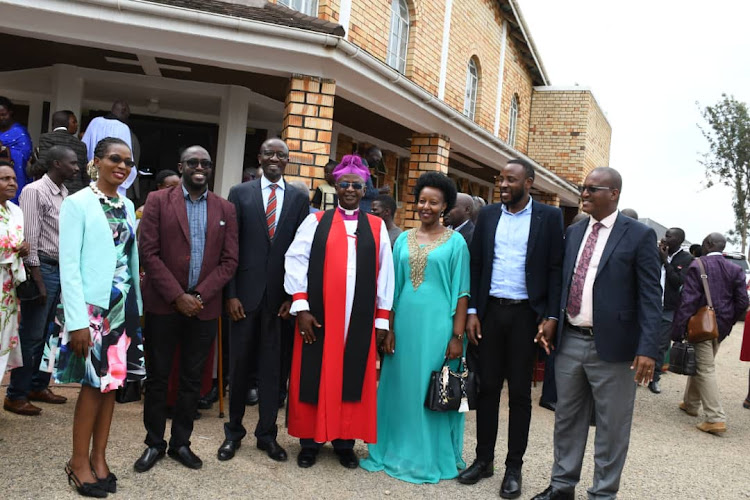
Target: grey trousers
<point>582,380</point>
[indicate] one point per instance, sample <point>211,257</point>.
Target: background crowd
<point>313,292</point>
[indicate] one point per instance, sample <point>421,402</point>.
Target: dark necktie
<point>271,211</point>
<point>576,286</point>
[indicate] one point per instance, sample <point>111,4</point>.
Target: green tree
<point>728,159</point>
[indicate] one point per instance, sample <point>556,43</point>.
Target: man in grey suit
<point>269,211</point>
<point>611,306</point>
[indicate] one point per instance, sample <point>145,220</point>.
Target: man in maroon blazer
<point>188,245</point>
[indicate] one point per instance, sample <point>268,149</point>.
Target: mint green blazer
<point>88,258</point>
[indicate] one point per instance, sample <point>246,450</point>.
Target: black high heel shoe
<point>84,489</point>
<point>108,483</point>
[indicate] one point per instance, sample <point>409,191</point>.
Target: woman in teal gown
<point>432,288</point>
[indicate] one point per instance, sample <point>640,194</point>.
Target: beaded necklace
<point>112,202</point>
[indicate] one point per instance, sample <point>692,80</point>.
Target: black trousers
<point>287,345</point>
<point>263,326</point>
<point>506,352</point>
<point>338,444</point>
<point>163,334</point>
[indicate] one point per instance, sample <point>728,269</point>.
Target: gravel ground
<point>665,450</point>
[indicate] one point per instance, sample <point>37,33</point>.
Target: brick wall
<point>517,81</point>
<point>568,133</point>
<point>429,153</point>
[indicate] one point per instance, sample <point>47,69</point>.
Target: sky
<point>651,66</point>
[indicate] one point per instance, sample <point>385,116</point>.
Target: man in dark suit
<point>516,258</point>
<point>188,245</point>
<point>726,283</point>
<point>64,128</point>
<point>268,214</point>
<point>674,265</point>
<point>459,218</point>
<point>610,311</point>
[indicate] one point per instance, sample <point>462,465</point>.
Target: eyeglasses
<point>117,159</point>
<point>355,185</point>
<point>194,162</point>
<point>281,155</point>
<point>594,189</point>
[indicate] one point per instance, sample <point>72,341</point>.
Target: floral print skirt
<point>116,355</point>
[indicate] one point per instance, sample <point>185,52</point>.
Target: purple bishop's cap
<point>351,164</point>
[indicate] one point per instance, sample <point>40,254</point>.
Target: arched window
<point>399,37</point>
<point>513,120</point>
<point>309,7</point>
<point>472,85</point>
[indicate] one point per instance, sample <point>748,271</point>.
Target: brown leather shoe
<point>713,427</point>
<point>684,408</point>
<point>47,396</point>
<point>21,407</point>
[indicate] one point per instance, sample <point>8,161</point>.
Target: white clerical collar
<point>60,128</point>
<point>713,253</point>
<point>348,212</point>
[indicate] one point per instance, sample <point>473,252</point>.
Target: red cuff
<point>299,296</point>
<point>383,314</point>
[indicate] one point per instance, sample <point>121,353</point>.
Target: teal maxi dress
<point>416,444</point>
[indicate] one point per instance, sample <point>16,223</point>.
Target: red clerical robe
<point>333,417</point>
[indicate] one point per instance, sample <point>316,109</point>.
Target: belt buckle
<point>587,330</point>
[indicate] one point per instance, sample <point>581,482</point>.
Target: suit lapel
<point>256,199</point>
<point>536,222</point>
<point>177,200</point>
<point>576,238</point>
<point>619,228</point>
<point>288,198</point>
<point>489,238</point>
<point>213,218</point>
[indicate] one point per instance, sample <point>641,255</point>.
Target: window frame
<point>307,7</point>
<point>471,92</point>
<point>398,37</point>
<point>513,121</point>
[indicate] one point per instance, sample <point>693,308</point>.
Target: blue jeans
<point>33,332</point>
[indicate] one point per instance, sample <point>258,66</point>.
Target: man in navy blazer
<point>516,258</point>
<point>269,211</point>
<point>610,313</point>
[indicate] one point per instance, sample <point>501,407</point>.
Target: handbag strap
<point>704,279</point>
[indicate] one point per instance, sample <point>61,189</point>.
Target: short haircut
<point>696,250</point>
<point>331,165</point>
<point>61,118</point>
<point>372,149</point>
<point>613,175</point>
<point>388,203</point>
<point>530,172</point>
<point>57,153</point>
<point>6,103</point>
<point>680,233</point>
<point>103,146</point>
<point>163,175</point>
<point>438,181</point>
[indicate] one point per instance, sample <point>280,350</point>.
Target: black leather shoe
<point>186,457</point>
<point>552,494</point>
<point>252,397</point>
<point>548,405</point>
<point>207,401</point>
<point>307,457</point>
<point>150,456</point>
<point>478,470</point>
<point>348,458</point>
<point>511,486</point>
<point>227,449</point>
<point>654,386</point>
<point>273,449</point>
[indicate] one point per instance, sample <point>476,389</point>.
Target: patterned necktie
<point>576,287</point>
<point>271,211</point>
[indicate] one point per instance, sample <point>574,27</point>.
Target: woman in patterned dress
<point>12,249</point>
<point>429,316</point>
<point>100,344</point>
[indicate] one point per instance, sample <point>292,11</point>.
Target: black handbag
<point>129,392</point>
<point>28,290</point>
<point>448,389</point>
<point>682,359</point>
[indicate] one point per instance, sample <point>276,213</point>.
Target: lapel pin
<point>222,223</point>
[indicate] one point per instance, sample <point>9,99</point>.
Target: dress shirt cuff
<point>552,317</point>
<point>299,305</point>
<point>471,310</point>
<point>382,324</point>
<point>32,260</point>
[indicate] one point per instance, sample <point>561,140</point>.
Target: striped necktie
<point>271,211</point>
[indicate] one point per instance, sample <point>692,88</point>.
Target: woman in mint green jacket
<point>100,344</point>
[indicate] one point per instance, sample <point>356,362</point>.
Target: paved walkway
<point>665,450</point>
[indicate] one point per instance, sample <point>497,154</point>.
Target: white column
<point>36,109</point>
<point>446,45</point>
<point>500,76</point>
<point>345,15</point>
<point>67,89</point>
<point>232,130</point>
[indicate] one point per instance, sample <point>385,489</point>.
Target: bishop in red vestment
<point>339,271</point>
